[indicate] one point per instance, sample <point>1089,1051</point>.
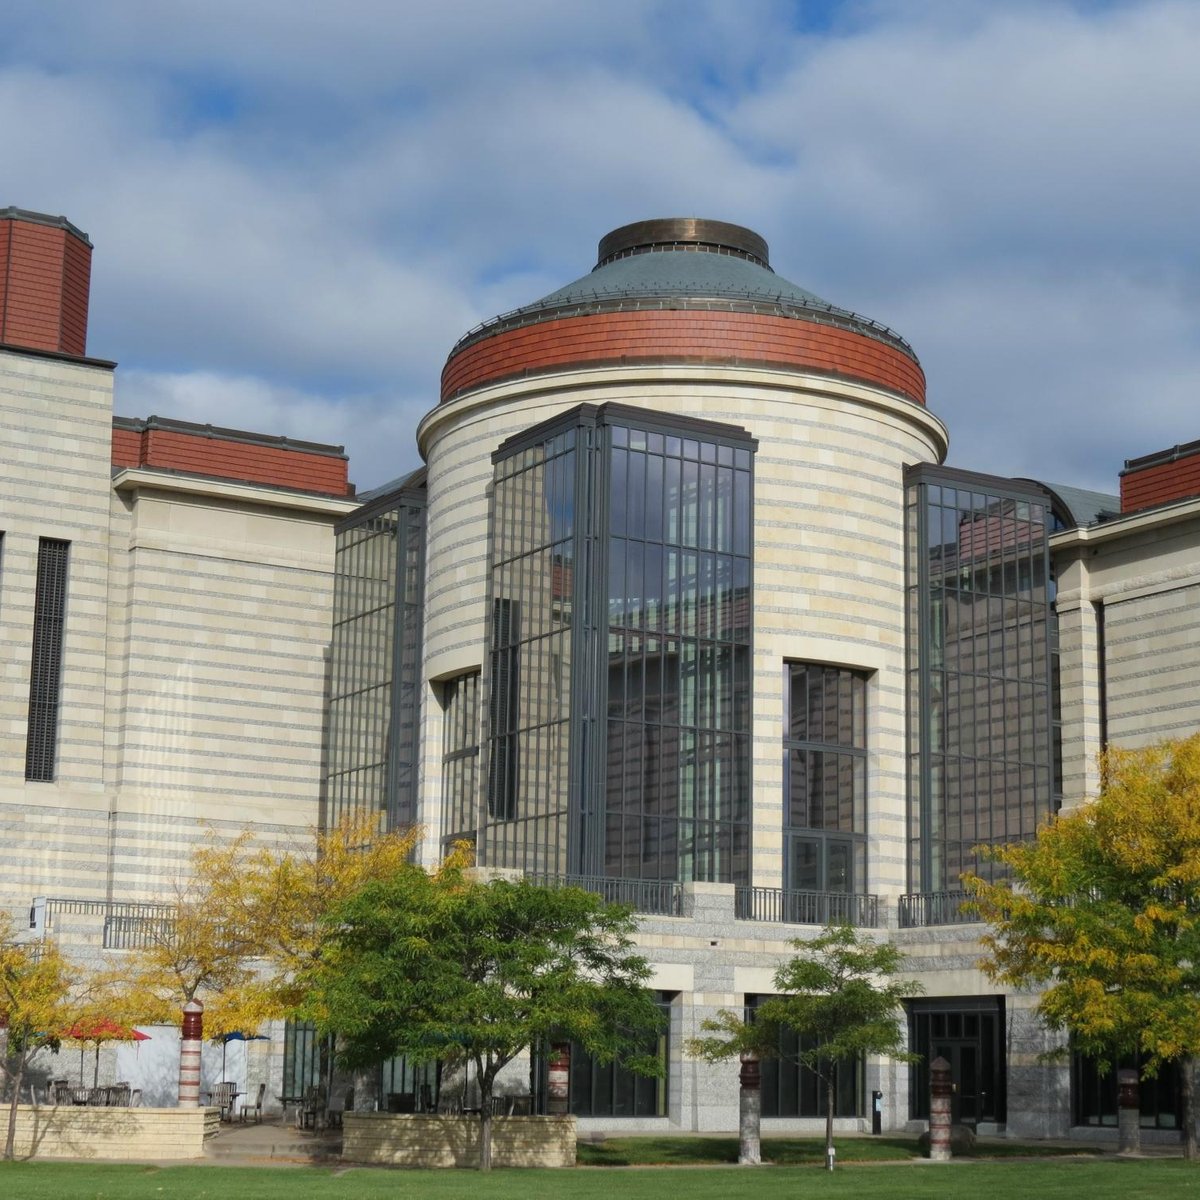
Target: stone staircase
<point>274,1143</point>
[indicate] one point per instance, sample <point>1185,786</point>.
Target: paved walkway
<point>272,1144</point>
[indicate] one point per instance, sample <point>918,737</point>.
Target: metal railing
<point>806,908</point>
<point>917,909</point>
<point>127,925</point>
<point>662,897</point>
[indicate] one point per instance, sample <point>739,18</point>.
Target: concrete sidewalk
<point>273,1144</point>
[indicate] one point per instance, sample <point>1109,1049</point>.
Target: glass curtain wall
<point>375,659</point>
<point>677,795</point>
<point>981,641</point>
<point>618,686</point>
<point>460,759</point>
<point>535,547</point>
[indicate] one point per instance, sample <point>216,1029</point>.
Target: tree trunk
<point>485,1078</point>
<point>15,1075</point>
<point>829,1121</point>
<point>1187,1069</point>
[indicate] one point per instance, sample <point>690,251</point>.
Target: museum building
<point>683,606</point>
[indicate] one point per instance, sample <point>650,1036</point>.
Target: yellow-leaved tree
<point>36,1005</point>
<point>246,923</point>
<point>1103,912</point>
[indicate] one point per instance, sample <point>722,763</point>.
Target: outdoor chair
<point>256,1107</point>
<point>222,1097</point>
<point>61,1090</point>
<point>118,1095</point>
<point>335,1114</point>
<point>309,1113</point>
<point>135,1098</point>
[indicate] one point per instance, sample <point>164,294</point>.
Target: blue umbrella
<point>238,1036</point>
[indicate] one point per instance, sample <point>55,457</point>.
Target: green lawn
<point>783,1151</point>
<point>1048,1180</point>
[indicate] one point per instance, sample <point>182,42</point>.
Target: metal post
<point>877,1112</point>
<point>189,1054</point>
<point>750,1111</point>
<point>940,1090</point>
<point>1129,1125</point>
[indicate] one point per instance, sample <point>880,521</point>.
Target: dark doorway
<point>968,1032</point>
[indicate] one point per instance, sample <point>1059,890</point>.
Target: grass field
<point>781,1151</point>
<point>1049,1179</point>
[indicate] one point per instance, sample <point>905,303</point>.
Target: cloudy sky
<point>299,206</point>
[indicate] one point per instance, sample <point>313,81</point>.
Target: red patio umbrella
<point>102,1029</point>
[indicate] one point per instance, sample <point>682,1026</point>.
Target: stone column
<point>940,1089</point>
<point>1129,1113</point>
<point>189,1054</point>
<point>558,1079</point>
<point>750,1111</point>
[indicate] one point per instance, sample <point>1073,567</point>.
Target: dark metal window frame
<point>790,1089</point>
<point>460,757</point>
<point>384,713</point>
<point>46,659</point>
<point>921,1034</point>
<point>589,432</point>
<point>925,875</point>
<point>857,749</point>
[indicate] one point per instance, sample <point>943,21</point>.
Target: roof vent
<point>683,233</point>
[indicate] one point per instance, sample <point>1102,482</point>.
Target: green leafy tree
<point>838,995</point>
<point>35,1007</point>
<point>246,920</point>
<point>1103,912</point>
<point>443,967</point>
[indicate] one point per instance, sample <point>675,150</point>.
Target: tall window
<point>304,1055</point>
<point>45,678</point>
<point>1094,1093</point>
<point>825,801</point>
<point>981,642</point>
<point>790,1089</point>
<point>677,798</point>
<point>460,758</point>
<point>503,714</point>
<point>375,658</point>
<point>619,676</point>
<point>608,1089</point>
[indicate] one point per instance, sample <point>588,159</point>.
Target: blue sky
<point>299,207</point>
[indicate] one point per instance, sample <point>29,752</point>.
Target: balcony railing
<point>126,925</point>
<point>662,897</point>
<point>806,908</point>
<point>934,908</point>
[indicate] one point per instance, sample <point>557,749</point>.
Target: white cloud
<point>297,211</point>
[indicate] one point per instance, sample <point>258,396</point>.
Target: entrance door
<point>968,1032</point>
<point>963,1058</point>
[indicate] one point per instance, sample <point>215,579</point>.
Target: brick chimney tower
<point>45,275</point>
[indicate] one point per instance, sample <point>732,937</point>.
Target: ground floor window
<point>1094,1093</point>
<point>409,1087</point>
<point>612,1090</point>
<point>305,1052</point>
<point>790,1089</point>
<point>968,1032</point>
